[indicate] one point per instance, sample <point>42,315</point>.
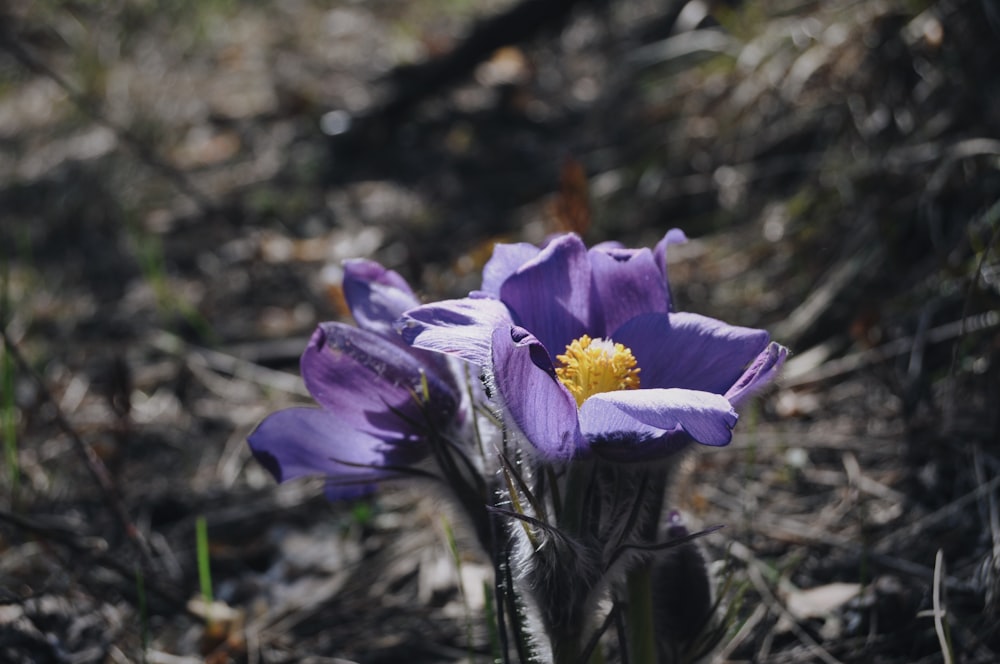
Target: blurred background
<point>180,181</point>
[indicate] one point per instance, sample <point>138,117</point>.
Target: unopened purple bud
<point>676,526</point>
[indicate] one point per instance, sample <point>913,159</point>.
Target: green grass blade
<point>9,416</point>
<point>8,412</point>
<point>204,569</point>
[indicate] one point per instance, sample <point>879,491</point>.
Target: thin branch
<point>660,546</point>
<point>760,584</point>
<point>98,471</point>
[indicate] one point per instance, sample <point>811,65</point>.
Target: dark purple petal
<point>639,425</point>
<point>376,296</point>
<point>760,373</point>
<point>550,294</point>
<point>624,284</point>
<point>535,400</point>
<point>690,351</point>
<point>673,236</point>
<point>456,327</point>
<point>301,442</point>
<point>372,382</point>
<point>505,261</point>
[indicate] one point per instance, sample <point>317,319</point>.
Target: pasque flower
<point>587,356</point>
<point>380,400</point>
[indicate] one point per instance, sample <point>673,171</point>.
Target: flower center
<point>591,366</point>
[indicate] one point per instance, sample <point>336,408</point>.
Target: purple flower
<point>586,354</point>
<point>379,399</point>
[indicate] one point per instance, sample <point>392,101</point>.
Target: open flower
<point>379,399</point>
<point>587,356</point>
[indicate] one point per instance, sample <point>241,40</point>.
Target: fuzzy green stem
<point>567,640</point>
<point>578,479</point>
<point>639,582</point>
<point>565,649</point>
<point>639,616</point>
<point>566,645</point>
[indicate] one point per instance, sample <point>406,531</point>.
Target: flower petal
<point>505,261</point>
<point>673,236</point>
<point>640,425</point>
<point>550,294</point>
<point>762,371</point>
<point>376,296</point>
<point>371,382</point>
<point>539,405</point>
<point>301,442</point>
<point>456,327</point>
<point>624,284</point>
<point>690,351</point>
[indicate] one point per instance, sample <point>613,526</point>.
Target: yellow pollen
<point>591,366</point>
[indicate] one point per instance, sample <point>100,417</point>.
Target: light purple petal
<point>376,296</point>
<point>760,373</point>
<point>690,351</point>
<point>673,236</point>
<point>624,284</point>
<point>638,425</point>
<point>371,382</point>
<point>505,261</point>
<point>550,294</point>
<point>535,400</point>
<point>302,442</point>
<point>456,327</point>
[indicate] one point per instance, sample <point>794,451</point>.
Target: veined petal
<point>505,261</point>
<point>372,382</point>
<point>376,296</point>
<point>301,442</point>
<point>550,294</point>
<point>624,284</point>
<point>762,371</point>
<point>638,425</point>
<point>539,405</point>
<point>456,327</point>
<point>673,236</point>
<point>690,351</point>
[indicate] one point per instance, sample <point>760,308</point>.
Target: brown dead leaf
<point>570,209</point>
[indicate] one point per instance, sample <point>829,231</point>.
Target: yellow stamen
<point>591,366</point>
